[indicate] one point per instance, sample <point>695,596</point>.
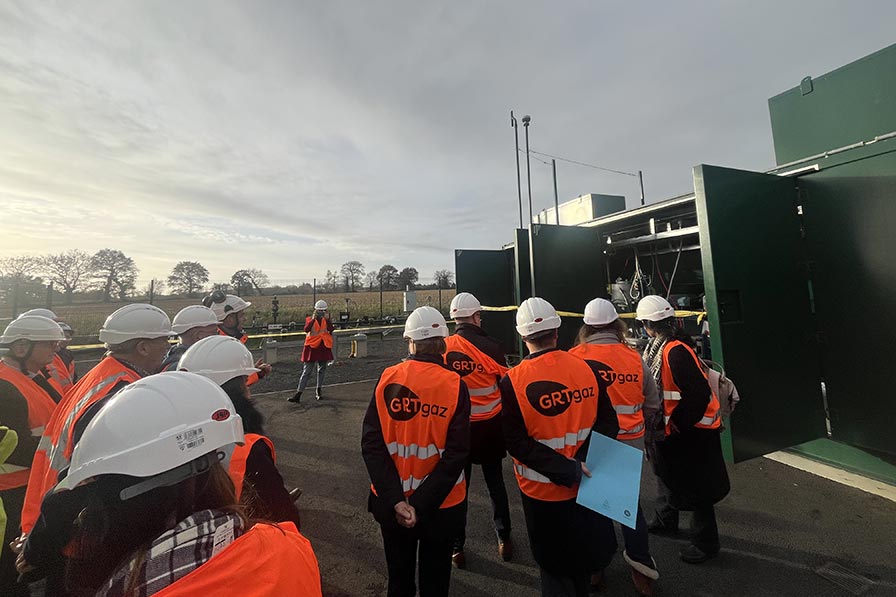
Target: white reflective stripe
<point>666,419</point>
<point>628,409</point>
<point>486,408</point>
<point>58,461</point>
<point>667,395</point>
<point>527,473</point>
<point>710,420</point>
<point>37,431</point>
<point>637,429</point>
<point>484,391</point>
<point>412,482</point>
<point>44,444</point>
<point>570,439</point>
<point>422,452</point>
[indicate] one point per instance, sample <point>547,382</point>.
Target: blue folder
<point>615,483</point>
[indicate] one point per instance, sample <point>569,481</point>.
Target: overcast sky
<point>293,136</point>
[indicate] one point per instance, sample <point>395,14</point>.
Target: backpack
<point>722,386</point>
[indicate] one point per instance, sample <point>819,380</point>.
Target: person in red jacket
<point>161,517</point>
<point>415,443</point>
<point>318,349</point>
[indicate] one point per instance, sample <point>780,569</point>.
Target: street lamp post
<point>526,120</point>
<point>516,139</point>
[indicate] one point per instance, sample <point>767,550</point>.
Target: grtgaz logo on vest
<point>551,398</point>
<point>462,364</point>
<point>610,377</point>
<point>403,404</point>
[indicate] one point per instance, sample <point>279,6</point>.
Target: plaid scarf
<point>653,356</point>
<point>174,554</point>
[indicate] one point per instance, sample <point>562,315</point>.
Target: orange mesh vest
<point>266,561</point>
<point>237,467</point>
<point>252,378</point>
<point>319,334</point>
<point>621,369</point>
<point>60,374</point>
<point>416,402</point>
<point>712,417</point>
<point>55,449</point>
<point>481,374</point>
<point>557,394</point>
<point>40,409</point>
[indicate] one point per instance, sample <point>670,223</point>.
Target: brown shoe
<point>505,549</point>
<point>459,559</point>
<point>643,576</point>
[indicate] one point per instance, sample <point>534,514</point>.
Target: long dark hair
<point>110,530</point>
<point>670,329</point>
<point>617,327</point>
<point>238,391</point>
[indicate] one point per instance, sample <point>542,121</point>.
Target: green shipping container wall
<point>854,103</point>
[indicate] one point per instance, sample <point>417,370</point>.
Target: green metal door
<point>850,226</point>
<point>489,276</point>
<point>758,299</point>
<point>569,271</point>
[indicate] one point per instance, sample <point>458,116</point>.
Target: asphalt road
<point>781,528</point>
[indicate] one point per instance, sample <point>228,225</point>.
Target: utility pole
<point>152,290</point>
<point>526,120</point>
<point>516,139</point>
<point>314,291</point>
<point>641,181</point>
<point>556,198</point>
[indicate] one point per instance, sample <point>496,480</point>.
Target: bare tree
<point>444,278</point>
<point>331,279</point>
<point>371,279</point>
<point>188,277</point>
<point>20,267</point>
<point>250,278</point>
<point>222,286</point>
<point>388,276</point>
<point>114,272</point>
<point>408,277</point>
<point>352,271</point>
<point>69,270</point>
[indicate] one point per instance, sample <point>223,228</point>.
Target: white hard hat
<point>154,425</point>
<point>600,312</point>
<point>219,358</point>
<point>536,315</point>
<point>425,322</point>
<point>321,306</point>
<point>34,328</point>
<point>225,304</point>
<point>194,316</point>
<point>40,313</point>
<point>654,308</point>
<point>464,305</point>
<point>135,321</point>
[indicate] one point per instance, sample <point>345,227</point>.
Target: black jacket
<point>272,499</point>
<point>427,498</point>
<point>476,336</point>
<point>535,455</point>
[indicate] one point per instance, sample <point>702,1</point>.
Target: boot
<point>643,576</point>
<point>694,555</point>
<point>459,559</point>
<point>296,398</point>
<point>318,394</point>
<point>505,549</point>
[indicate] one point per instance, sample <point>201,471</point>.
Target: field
<point>86,319</point>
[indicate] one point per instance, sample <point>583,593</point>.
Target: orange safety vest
<point>319,333</point>
<point>40,409</point>
<point>621,369</point>
<point>237,467</point>
<point>60,374</point>
<point>416,402</point>
<point>252,378</point>
<point>266,561</point>
<point>55,449</point>
<point>481,374</point>
<point>712,417</point>
<point>557,393</point>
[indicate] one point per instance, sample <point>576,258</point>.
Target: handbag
<point>723,387</point>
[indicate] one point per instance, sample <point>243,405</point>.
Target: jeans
<point>494,480</point>
<point>307,366</point>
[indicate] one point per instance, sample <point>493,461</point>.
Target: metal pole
<point>314,291</point>
<point>516,139</point>
<point>381,300</point>
<point>641,181</point>
<point>556,198</point>
<point>526,120</point>
<point>152,290</point>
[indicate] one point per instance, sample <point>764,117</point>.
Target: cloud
<point>294,136</point>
